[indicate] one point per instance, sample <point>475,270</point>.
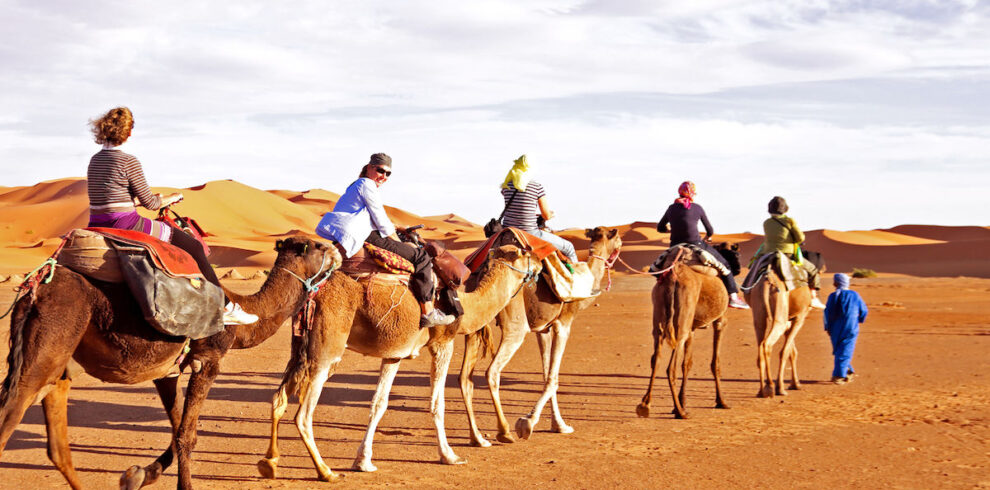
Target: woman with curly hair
<point>115,180</point>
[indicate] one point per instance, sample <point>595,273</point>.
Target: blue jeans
<point>566,247</point>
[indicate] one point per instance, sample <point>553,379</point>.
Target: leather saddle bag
<point>449,269</point>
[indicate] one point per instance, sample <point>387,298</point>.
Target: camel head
<point>306,258</point>
<point>602,237</point>
<point>518,259</point>
<point>731,253</point>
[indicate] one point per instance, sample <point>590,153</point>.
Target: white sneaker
<point>817,303</point>
<point>233,314</point>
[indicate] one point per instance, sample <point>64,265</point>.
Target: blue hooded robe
<point>844,311</point>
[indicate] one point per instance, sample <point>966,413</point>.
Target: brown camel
<point>777,313</point>
<point>537,310</point>
<point>686,297</point>
<point>76,324</point>
<point>382,320</point>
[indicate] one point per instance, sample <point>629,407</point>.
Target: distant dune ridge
<point>243,224</point>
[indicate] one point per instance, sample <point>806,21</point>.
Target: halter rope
<point>609,263</point>
<point>312,287</point>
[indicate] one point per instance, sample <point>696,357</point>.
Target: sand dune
<point>243,223</point>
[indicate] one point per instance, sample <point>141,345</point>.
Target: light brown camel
<point>537,310</point>
<point>777,313</point>
<point>383,321</point>
<point>686,297</point>
<point>80,325</point>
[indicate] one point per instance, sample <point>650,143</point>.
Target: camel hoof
<point>562,429</point>
<point>364,466</point>
<point>482,442</point>
<point>524,428</point>
<point>795,387</point>
<point>781,392</point>
<point>681,415</point>
<point>643,410</point>
<point>722,405</point>
<point>455,460</point>
<point>132,479</point>
<point>268,468</point>
<point>506,438</point>
<point>325,474</point>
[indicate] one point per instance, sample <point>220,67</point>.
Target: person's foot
<point>839,381</point>
<point>233,314</point>
<point>738,304</point>
<point>817,303</point>
<point>435,318</point>
<point>849,377</point>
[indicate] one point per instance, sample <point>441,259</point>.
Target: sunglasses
<point>382,171</point>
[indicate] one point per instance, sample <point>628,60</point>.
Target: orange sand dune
<point>243,223</point>
<point>876,237</point>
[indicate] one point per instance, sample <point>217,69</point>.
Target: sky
<point>862,114</point>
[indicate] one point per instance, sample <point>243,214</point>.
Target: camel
<point>536,310</point>
<point>685,298</point>
<point>75,324</point>
<point>382,320</point>
<point>777,313</point>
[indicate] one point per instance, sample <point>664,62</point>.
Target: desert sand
<point>915,417</point>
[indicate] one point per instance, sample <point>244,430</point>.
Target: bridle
<point>312,286</point>
<point>529,274</point>
<point>609,264</point>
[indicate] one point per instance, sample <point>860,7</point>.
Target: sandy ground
<point>916,417</point>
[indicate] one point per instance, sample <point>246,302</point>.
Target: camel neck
<point>494,290</point>
<point>278,298</point>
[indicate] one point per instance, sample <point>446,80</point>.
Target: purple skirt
<point>131,220</point>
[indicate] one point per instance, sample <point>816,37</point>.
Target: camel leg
<point>309,398</point>
<point>795,383</point>
<point>545,340</point>
<point>469,361</point>
<point>442,352</point>
<point>56,422</point>
<point>557,423</point>
<point>686,370</point>
<point>268,466</point>
<point>718,328</point>
<point>785,354</point>
<point>379,403</point>
<point>766,378</point>
<point>136,477</point>
<point>196,392</point>
<point>524,426</point>
<point>643,409</point>
<point>676,358</point>
<point>513,335</point>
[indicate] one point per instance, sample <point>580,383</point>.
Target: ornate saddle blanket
<point>375,260</point>
<point>164,279</point>
<point>695,257</point>
<point>572,283</point>
<point>792,275</point>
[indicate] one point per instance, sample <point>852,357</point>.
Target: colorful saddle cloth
<point>376,260</point>
<point>572,283</point>
<point>165,280</point>
<point>792,275</point>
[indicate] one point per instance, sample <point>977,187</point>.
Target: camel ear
<point>278,245</point>
<point>613,232</point>
<point>588,232</point>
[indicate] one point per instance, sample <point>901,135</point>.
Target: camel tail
<point>15,358</point>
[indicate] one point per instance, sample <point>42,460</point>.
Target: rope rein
<point>43,274</point>
<point>312,287</point>
<point>609,264</point>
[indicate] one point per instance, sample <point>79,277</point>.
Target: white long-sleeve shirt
<point>358,212</point>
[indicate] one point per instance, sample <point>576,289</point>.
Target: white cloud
<point>840,105</point>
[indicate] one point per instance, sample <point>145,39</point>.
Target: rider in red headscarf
<point>683,217</point>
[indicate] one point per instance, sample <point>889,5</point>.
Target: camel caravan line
<point>82,312</point>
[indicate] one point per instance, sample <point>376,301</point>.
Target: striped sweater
<point>114,179</point>
<point>521,213</point>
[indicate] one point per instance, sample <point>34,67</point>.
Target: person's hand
<point>550,215</point>
<point>171,199</point>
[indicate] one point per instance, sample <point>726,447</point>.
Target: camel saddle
<point>693,256</point>
<point>165,280</point>
<point>375,264</point>
<point>569,282</point>
<point>792,274</point>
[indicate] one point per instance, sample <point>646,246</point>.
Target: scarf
<point>687,193</point>
<point>519,175</point>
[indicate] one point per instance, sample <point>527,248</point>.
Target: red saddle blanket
<point>540,248</point>
<point>169,258</point>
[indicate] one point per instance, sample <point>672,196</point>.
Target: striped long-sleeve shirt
<point>115,178</point>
